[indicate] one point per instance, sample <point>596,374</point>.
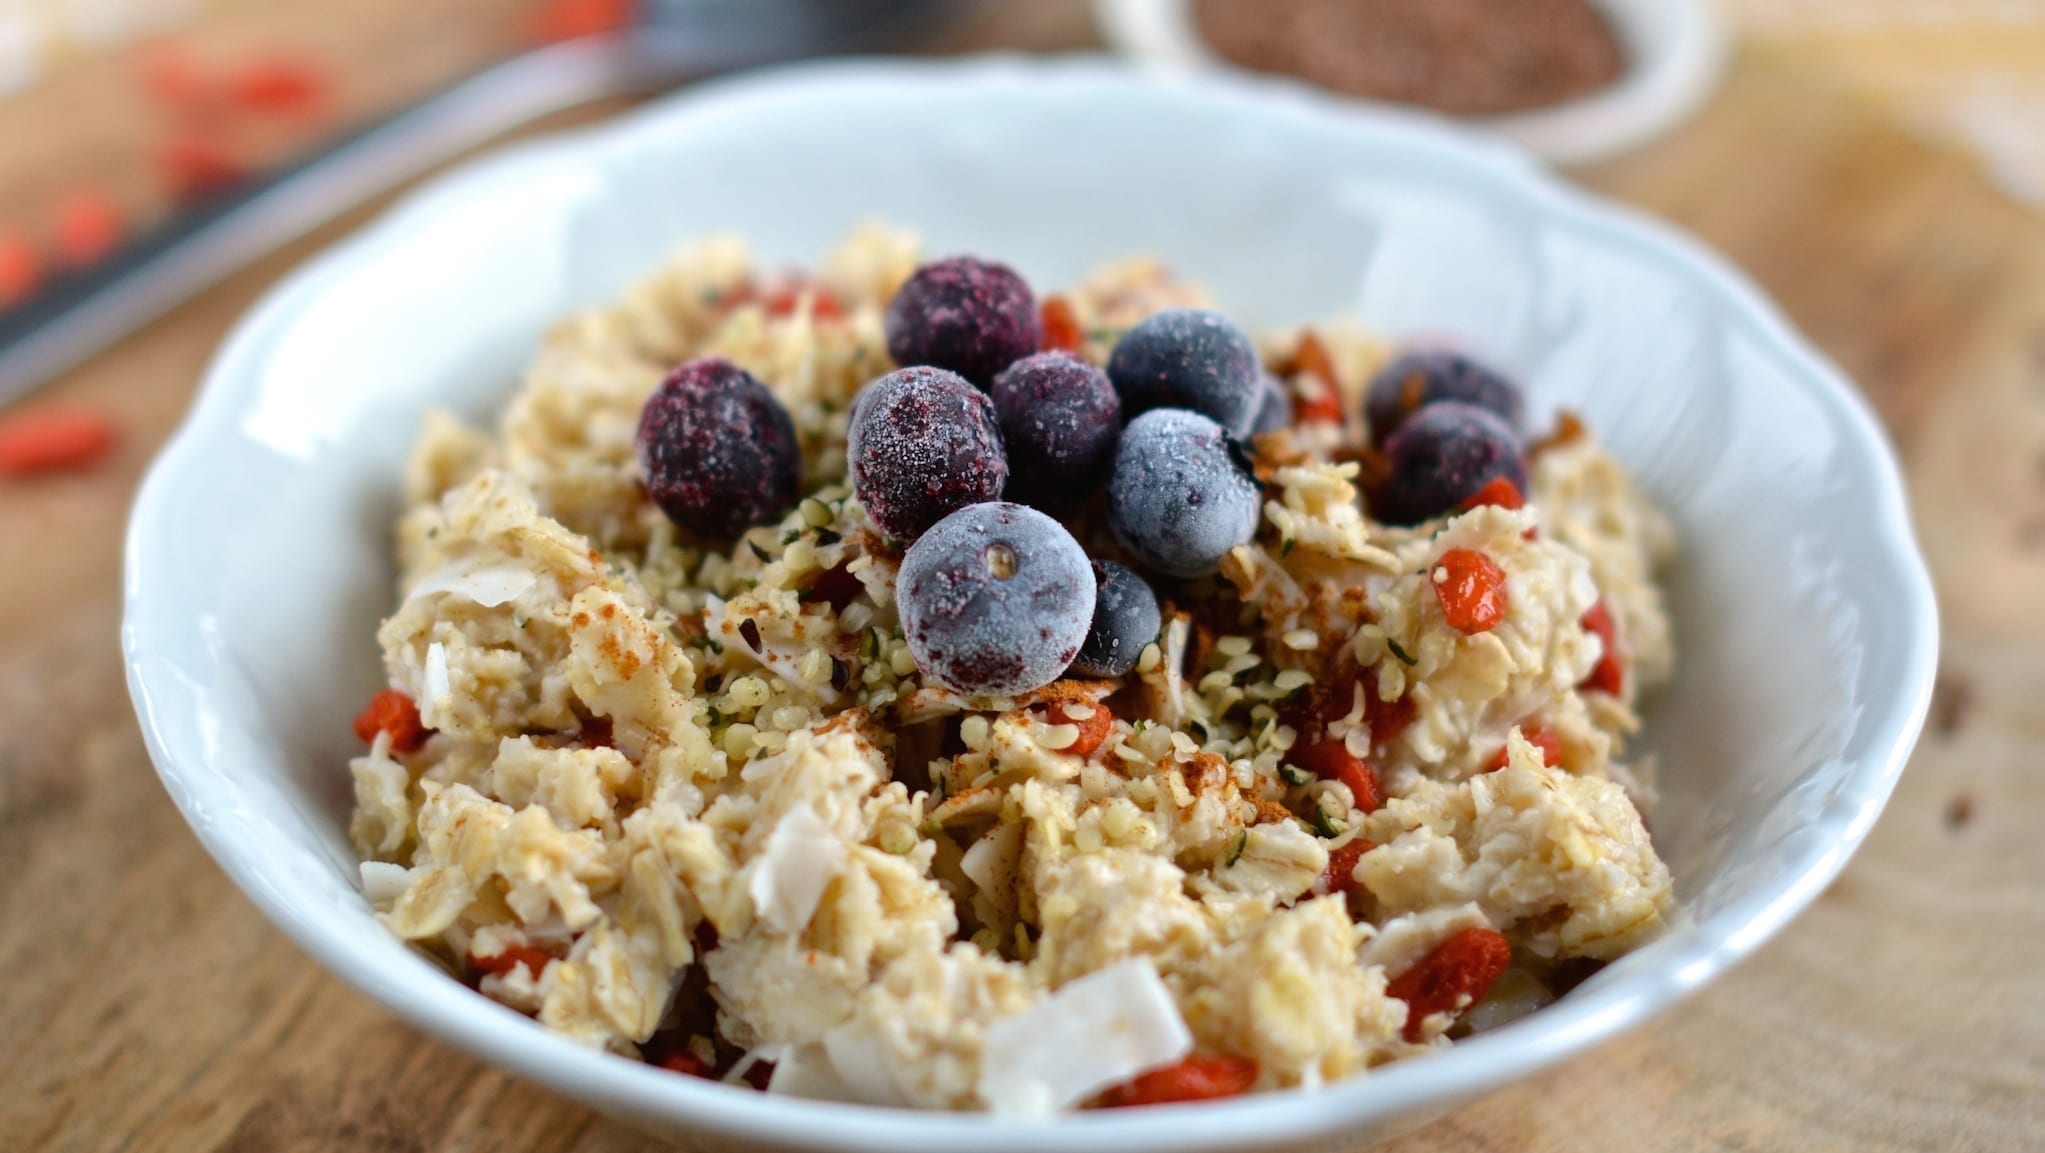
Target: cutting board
<point>148,1007</point>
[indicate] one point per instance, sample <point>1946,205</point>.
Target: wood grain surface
<point>145,1006</point>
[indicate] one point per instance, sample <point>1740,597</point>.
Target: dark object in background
<point>1467,57</point>
<point>1422,377</point>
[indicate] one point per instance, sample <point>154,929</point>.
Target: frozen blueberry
<point>1126,618</point>
<point>1442,455</point>
<point>1188,358</point>
<point>717,450</point>
<point>996,598</point>
<point>1059,421</point>
<point>972,316</point>
<point>1416,379</point>
<point>1181,494</point>
<point>1274,408</point>
<point>922,444</point>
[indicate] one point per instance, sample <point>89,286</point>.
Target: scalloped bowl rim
<point>1680,963</point>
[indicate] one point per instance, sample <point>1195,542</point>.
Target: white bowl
<point>258,562</point>
<point>1674,54</point>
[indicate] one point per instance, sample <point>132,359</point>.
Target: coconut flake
<point>790,874</point>
<point>774,1052</point>
<point>992,860</point>
<point>437,686</point>
<point>806,1071</point>
<point>488,585</point>
<point>1097,1031</point>
<point>383,882</point>
<point>862,1065</point>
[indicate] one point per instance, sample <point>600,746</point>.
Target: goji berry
<point>1547,743</point>
<point>1061,326</point>
<point>1331,760</point>
<point>1453,977</point>
<point>1605,676</point>
<point>596,734</point>
<point>88,228</point>
<point>1499,491</point>
<point>50,440</point>
<point>391,711</point>
<point>1325,406</point>
<point>282,84</point>
<point>21,268</point>
<point>686,1063</point>
<point>1200,1077</point>
<point>531,957</point>
<point>194,168</point>
<point>1320,707</point>
<point>1093,729</point>
<point>173,79</point>
<point>1340,875</point>
<point>559,20</point>
<point>1387,719</point>
<point>783,299</point>
<point>1471,588</point>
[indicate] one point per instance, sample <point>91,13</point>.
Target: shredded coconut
<point>1097,1031</point>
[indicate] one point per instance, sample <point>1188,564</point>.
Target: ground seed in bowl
<point>1467,57</point>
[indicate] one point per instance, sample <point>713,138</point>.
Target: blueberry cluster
<point>986,594</point>
<point>959,454</point>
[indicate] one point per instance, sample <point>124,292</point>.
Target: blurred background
<point>116,116</point>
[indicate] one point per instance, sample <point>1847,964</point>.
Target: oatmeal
<point>1276,730</point>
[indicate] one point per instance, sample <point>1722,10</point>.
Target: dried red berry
<point>391,711</point>
<point>1200,1077</point>
<point>21,268</point>
<point>1324,406</point>
<point>1453,977</point>
<point>1340,875</point>
<point>51,440</point>
<point>1499,491</point>
<point>1471,588</point>
<point>280,84</point>
<point>1548,743</point>
<point>195,167</point>
<point>559,20</point>
<point>89,228</point>
<point>1061,327</point>
<point>686,1063</point>
<point>1093,729</point>
<point>1331,760</point>
<point>530,957</point>
<point>1605,676</point>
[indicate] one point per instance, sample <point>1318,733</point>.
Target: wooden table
<point>146,1006</point>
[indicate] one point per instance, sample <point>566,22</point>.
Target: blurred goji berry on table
<point>21,268</point>
<point>44,440</point>
<point>558,20</point>
<point>280,83</point>
<point>89,228</point>
<point>194,168</point>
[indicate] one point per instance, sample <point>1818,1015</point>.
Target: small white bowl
<point>258,562</point>
<point>1674,54</point>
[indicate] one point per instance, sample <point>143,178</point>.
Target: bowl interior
<point>1799,608</point>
